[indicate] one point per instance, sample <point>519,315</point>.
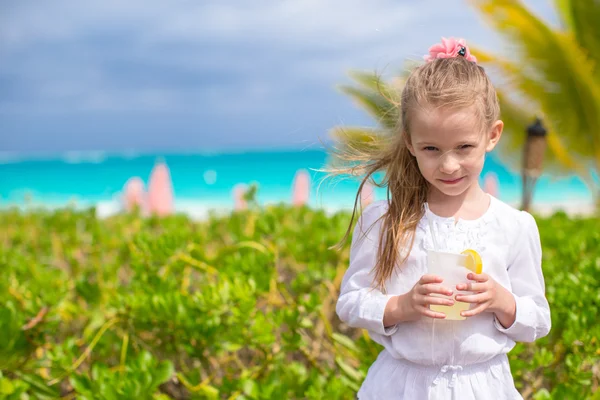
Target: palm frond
<point>553,70</point>
<point>557,160</point>
<point>356,134</point>
<point>554,59</point>
<point>375,83</point>
<point>378,106</point>
<point>517,112</point>
<point>581,18</point>
<point>565,13</point>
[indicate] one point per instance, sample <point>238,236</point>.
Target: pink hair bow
<point>450,48</point>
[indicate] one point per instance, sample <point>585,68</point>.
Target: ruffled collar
<point>455,235</point>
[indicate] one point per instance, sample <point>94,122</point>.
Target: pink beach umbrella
<point>301,188</point>
<point>160,191</point>
<point>239,203</point>
<point>134,195</point>
<point>491,184</point>
<point>367,194</point>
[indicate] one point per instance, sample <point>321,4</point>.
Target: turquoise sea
<point>204,181</point>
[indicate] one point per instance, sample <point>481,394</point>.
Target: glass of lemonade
<point>451,267</point>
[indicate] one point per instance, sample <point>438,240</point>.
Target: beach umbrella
<point>301,188</point>
<point>160,191</point>
<point>239,203</point>
<point>134,195</point>
<point>367,194</point>
<point>533,159</point>
<point>491,184</point>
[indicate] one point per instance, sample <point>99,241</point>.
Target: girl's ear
<point>494,135</point>
<point>408,143</point>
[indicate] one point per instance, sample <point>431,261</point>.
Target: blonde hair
<point>441,83</point>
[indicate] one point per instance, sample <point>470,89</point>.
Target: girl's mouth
<point>452,182</point>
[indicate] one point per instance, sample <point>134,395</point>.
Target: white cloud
<point>284,43</point>
<point>308,22</point>
<point>263,49</point>
<point>324,24</point>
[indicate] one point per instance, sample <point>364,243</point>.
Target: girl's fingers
<point>479,309</point>
<point>478,277</point>
<point>431,314</point>
<point>425,279</point>
<point>434,288</point>
<point>440,301</point>
<point>474,298</point>
<point>472,287</point>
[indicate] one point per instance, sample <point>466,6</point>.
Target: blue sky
<point>204,75</point>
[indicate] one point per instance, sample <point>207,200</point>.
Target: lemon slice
<point>474,262</point>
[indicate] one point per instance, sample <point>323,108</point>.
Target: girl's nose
<point>449,164</point>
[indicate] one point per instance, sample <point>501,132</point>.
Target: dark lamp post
<point>533,160</point>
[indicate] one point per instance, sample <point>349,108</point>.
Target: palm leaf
<point>581,18</point>
<point>353,140</point>
<point>375,83</point>
<point>356,136</point>
<point>550,57</point>
<point>377,97</point>
<point>557,74</point>
<point>375,105</point>
<point>517,114</point>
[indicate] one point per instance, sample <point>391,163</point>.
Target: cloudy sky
<point>206,74</point>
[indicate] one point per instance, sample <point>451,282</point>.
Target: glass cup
<point>451,268</point>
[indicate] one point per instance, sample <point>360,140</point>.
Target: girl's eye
<point>430,148</point>
<point>465,146</point>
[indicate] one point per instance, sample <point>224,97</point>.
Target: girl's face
<point>450,147</point>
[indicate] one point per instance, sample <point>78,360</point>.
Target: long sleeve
<point>359,305</point>
<point>525,273</point>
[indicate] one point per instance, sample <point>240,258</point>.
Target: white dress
<point>468,358</point>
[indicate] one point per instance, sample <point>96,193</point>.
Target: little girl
<point>449,121</point>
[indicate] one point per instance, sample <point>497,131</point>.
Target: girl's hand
<point>415,303</point>
<point>488,295</point>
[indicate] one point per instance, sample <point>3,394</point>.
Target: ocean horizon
<point>204,181</point>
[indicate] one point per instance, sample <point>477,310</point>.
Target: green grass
<point>241,307</point>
